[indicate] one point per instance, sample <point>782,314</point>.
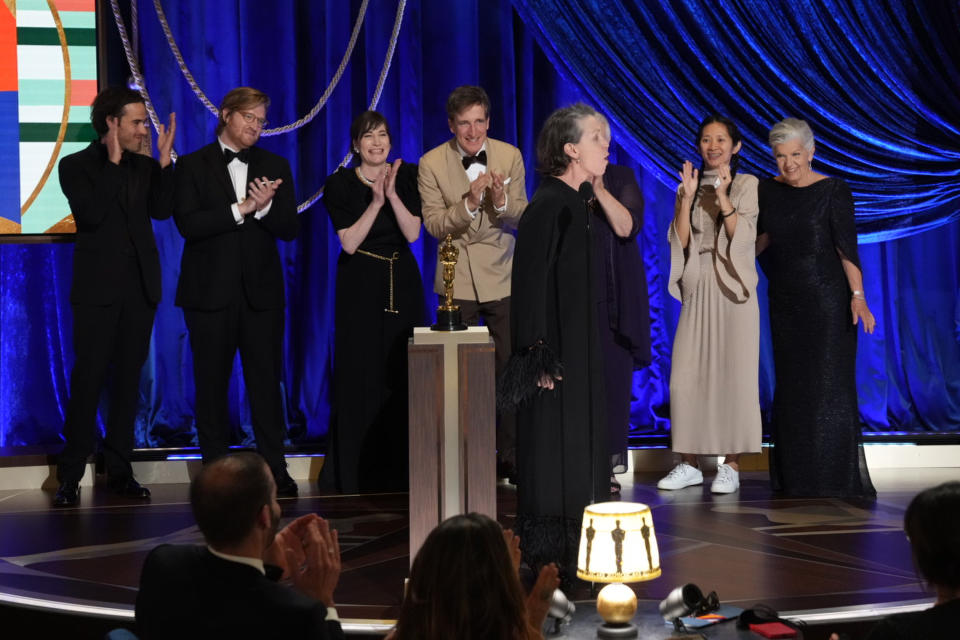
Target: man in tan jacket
<point>473,188</point>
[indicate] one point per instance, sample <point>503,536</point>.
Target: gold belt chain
<point>396,256</point>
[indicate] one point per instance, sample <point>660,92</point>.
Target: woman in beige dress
<point>714,391</point>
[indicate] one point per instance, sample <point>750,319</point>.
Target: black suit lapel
<point>255,167</point>
<point>218,169</point>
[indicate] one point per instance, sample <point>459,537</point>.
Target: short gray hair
<point>562,126</point>
<point>789,129</point>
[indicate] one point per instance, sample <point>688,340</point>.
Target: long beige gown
<point>714,391</point>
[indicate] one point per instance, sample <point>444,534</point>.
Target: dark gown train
<point>816,424</point>
<point>367,441</point>
<point>562,459</point>
<point>622,308</point>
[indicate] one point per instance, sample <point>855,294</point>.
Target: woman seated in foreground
<point>932,525</point>
<point>465,584</point>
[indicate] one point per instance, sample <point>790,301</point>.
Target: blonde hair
<point>240,99</point>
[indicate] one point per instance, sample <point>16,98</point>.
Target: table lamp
<point>617,545</point>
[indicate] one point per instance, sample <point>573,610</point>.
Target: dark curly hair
<point>112,101</point>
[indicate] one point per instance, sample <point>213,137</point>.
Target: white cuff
<point>236,213</point>
<point>504,207</point>
<point>260,214</point>
<point>472,214</point>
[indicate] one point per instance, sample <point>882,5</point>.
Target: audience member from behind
<point>932,525</point>
<point>465,584</point>
<point>230,588</point>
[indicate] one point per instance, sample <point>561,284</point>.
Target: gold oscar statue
<point>448,314</point>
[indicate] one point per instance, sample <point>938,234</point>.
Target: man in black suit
<point>113,190</point>
<point>233,202</point>
<point>229,588</point>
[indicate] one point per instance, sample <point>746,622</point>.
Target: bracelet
<point>727,215</point>
<point>858,294</point>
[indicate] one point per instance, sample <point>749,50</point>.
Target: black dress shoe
<point>129,488</point>
<point>287,487</point>
<point>68,495</point>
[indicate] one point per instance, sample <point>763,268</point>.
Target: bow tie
<point>243,156</point>
<point>469,160</point>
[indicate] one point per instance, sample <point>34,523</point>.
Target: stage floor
<point>749,547</point>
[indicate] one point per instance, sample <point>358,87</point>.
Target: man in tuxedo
<point>473,188</point>
<point>229,588</point>
<point>114,189</point>
<point>233,202</point>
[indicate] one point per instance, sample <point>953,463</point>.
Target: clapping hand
<point>390,186</point>
<point>379,187</point>
<point>513,546</point>
<point>313,560</point>
<point>261,191</point>
<point>540,597</point>
<point>497,186</point>
<point>477,188</point>
<point>289,538</point>
<point>165,140</point>
<point>689,179</point>
<point>112,140</point>
<point>723,178</point>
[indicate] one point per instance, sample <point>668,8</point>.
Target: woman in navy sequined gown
<point>809,254</point>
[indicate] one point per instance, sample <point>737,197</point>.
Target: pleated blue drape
<point>880,93</point>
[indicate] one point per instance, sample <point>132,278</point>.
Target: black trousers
<point>215,338</point>
<point>112,342</point>
<point>496,317</point>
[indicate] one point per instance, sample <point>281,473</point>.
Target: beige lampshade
<point>617,543</point>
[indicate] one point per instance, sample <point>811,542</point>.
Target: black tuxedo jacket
<point>112,206</point>
<point>187,592</point>
<point>223,260</point>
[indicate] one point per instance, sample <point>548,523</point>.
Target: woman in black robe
<point>555,373</point>
<point>375,208</point>
<point>622,302</point>
<point>809,244</point>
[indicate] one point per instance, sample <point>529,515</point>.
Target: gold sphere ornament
<point>616,603</point>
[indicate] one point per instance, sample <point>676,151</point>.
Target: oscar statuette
<point>448,314</point>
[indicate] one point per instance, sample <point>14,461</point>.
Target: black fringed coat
<point>562,457</point>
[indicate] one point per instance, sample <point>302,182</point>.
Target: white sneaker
<point>727,480</point>
<point>682,475</point>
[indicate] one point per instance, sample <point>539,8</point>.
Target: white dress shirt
<point>474,171</point>
<point>238,176</point>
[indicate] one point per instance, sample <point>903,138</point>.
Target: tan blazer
<point>485,242</point>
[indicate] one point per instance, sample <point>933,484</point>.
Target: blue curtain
<point>878,83</point>
<point>883,105</point>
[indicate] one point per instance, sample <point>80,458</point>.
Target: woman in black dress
<point>622,302</point>
<point>555,373</point>
<point>375,208</point>
<point>809,244</point>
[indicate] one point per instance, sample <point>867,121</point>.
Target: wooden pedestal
<point>452,428</point>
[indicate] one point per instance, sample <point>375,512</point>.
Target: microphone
<point>586,191</point>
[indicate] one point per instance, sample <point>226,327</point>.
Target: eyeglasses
<point>249,118</point>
